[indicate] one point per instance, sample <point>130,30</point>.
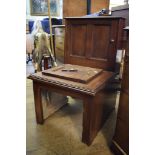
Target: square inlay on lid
<point>73,72</point>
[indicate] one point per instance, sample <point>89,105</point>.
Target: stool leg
<point>38,103</point>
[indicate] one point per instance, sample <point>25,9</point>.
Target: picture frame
<point>40,8</point>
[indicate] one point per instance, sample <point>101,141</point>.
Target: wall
<point>30,17</point>
<point>28,14</point>
<point>97,5</point>
<point>74,8</point>
<point>79,7</point>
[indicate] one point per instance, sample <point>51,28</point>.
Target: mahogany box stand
<point>90,52</point>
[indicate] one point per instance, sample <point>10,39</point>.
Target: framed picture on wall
<point>40,7</point>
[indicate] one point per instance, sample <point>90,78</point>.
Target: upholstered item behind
<point>45,24</point>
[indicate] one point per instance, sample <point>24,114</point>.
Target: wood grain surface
<point>90,88</point>
<point>74,73</point>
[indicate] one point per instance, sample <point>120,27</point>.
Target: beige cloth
<point>29,43</point>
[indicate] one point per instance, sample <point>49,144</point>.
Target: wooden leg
<point>93,114</point>
<point>38,103</point>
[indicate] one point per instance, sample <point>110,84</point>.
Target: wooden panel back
<point>92,42</point>
<point>78,45</point>
<point>100,42</point>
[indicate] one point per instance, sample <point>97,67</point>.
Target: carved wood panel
<point>92,42</point>
<point>100,42</point>
<point>78,44</point>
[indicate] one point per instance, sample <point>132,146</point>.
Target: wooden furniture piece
<point>120,142</point>
<point>59,33</point>
<point>93,41</point>
<point>91,93</point>
<point>74,73</point>
<point>89,42</point>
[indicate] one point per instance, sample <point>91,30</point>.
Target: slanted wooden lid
<point>73,72</point>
